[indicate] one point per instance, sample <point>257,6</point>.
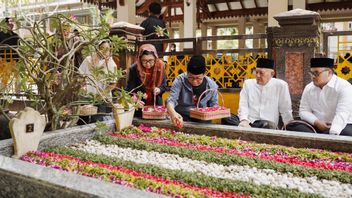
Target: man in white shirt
<point>326,102</point>
<point>264,98</point>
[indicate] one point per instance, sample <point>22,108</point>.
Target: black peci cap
<point>322,62</point>
<point>265,63</point>
<point>196,65</point>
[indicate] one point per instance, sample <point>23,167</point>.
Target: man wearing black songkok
<point>187,88</point>
<point>326,103</point>
<point>264,99</point>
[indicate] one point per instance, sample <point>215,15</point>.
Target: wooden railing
<point>8,60</point>
<point>343,56</point>
<point>228,67</point>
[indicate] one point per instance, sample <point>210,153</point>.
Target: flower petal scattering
<point>211,109</point>
<point>121,175</point>
<point>305,157</point>
<point>176,164</point>
<point>155,109</point>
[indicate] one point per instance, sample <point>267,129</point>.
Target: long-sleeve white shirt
<point>86,69</point>
<point>331,104</point>
<point>258,102</point>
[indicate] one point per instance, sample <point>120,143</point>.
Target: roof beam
<point>228,5</point>
<point>216,8</point>
<point>174,18</point>
<point>220,1</point>
<point>204,6</point>
<point>242,4</point>
<point>174,4</point>
<point>242,12</point>
<point>255,3</point>
<point>329,6</point>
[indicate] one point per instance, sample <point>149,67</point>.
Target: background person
<point>151,23</point>
<point>8,38</point>
<point>78,54</point>
<point>102,61</point>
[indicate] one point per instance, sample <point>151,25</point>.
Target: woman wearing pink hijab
<point>148,74</point>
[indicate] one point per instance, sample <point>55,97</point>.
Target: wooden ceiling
<point>212,9</point>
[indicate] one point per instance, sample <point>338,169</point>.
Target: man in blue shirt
<point>187,88</point>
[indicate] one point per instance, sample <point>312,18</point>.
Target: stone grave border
<point>23,179</point>
<point>280,137</point>
<point>19,178</point>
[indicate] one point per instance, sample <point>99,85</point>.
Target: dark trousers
<point>235,121</point>
<point>264,124</point>
<point>306,127</point>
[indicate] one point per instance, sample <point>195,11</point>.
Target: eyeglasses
<point>191,78</point>
<point>145,62</point>
<point>317,74</point>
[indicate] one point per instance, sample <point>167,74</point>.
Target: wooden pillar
<point>204,30</point>
<point>189,21</point>
<point>182,35</point>
<point>214,30</point>
<point>241,31</point>
<point>258,28</point>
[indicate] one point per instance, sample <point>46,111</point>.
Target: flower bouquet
<point>210,113</point>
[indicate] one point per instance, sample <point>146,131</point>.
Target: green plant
<point>47,72</point>
<point>102,127</point>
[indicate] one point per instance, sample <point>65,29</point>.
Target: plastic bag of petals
<point>210,113</point>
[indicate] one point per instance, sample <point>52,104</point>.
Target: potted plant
<point>47,72</point>
<point>123,103</point>
<point>124,108</point>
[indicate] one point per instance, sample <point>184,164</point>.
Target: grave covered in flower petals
<point>176,164</point>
